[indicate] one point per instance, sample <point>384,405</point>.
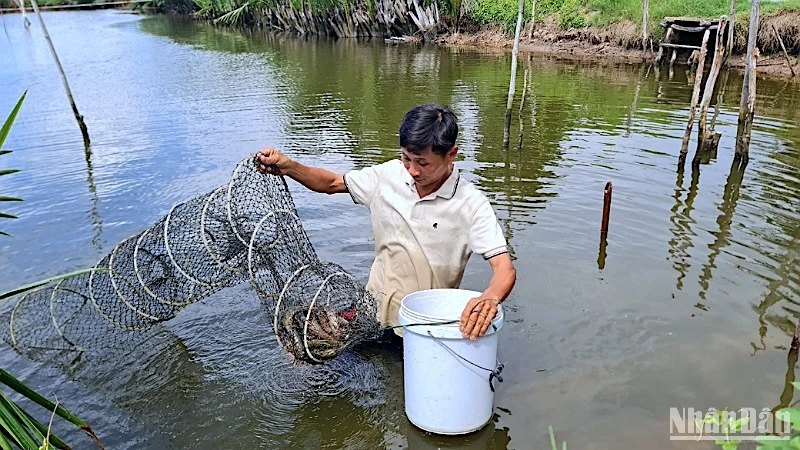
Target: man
<point>427,221</point>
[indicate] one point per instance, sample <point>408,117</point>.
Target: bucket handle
<point>493,374</point>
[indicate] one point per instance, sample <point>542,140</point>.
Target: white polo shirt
<point>421,243</point>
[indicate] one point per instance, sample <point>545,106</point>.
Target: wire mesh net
<point>246,230</point>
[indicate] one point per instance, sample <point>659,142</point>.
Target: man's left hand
<point>477,317</point>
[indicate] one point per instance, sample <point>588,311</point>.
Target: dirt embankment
<point>622,42</point>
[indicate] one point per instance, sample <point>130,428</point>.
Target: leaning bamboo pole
<point>748,99</point>
<point>511,85</point>
<point>698,79</point>
<point>783,47</point>
<point>707,139</point>
<point>78,115</point>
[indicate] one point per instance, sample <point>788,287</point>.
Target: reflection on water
<point>690,302</point>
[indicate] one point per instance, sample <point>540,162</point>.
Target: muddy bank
<point>620,43</point>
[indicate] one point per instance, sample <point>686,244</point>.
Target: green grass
<point>579,13</point>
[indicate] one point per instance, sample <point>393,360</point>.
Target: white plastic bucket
<point>445,391</point>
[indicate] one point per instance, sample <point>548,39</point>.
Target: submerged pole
<point>511,85</point>
<point>601,257</point>
<point>707,139</point>
<point>748,99</point>
<point>698,79</point>
<point>78,115</point>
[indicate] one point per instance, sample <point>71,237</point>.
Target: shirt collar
<point>445,191</point>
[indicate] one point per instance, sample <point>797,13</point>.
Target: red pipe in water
<point>606,210</point>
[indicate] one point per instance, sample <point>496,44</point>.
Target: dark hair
<point>429,126</point>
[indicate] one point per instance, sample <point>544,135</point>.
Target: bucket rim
<point>407,316</point>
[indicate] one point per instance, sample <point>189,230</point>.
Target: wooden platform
<point>685,35</point>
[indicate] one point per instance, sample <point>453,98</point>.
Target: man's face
<point>428,168</point>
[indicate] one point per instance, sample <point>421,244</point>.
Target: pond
<point>691,304</point>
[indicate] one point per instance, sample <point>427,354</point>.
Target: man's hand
<point>477,317</point>
<point>272,161</point>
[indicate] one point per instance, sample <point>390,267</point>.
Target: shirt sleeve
<point>485,235</point>
<point>362,184</point>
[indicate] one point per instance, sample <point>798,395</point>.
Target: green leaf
<point>791,415</point>
<point>40,283</point>
<point>11,118</point>
<point>54,440</point>
<point>8,171</point>
<point>9,199</point>
<point>4,444</point>
<point>4,152</point>
<point>10,421</point>
<point>18,386</point>
<point>7,216</point>
<point>796,384</point>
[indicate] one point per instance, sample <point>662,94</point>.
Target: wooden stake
<point>698,79</point>
<point>708,140</point>
<point>533,21</point>
<point>785,55</point>
<point>78,116</point>
<point>731,29</point>
<point>667,40</point>
<point>511,85</point>
<point>25,20</point>
<point>645,21</point>
<point>748,99</point>
<point>606,210</point>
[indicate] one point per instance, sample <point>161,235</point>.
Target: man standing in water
<point>427,221</point>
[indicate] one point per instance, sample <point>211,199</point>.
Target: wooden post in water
<point>533,21</point>
<point>511,85</point>
<point>601,257</point>
<point>25,20</point>
<point>783,47</point>
<point>698,79</point>
<point>78,115</point>
<point>645,30</point>
<point>748,99</point>
<point>707,139</point>
<point>731,29</point>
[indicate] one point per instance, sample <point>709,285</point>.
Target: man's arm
<point>315,178</point>
<point>480,311</point>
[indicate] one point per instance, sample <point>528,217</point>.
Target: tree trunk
<point>511,85</point>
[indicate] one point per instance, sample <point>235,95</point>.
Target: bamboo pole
<point>645,21</point>
<point>533,21</point>
<point>707,140</point>
<point>731,22</point>
<point>25,20</point>
<point>78,115</point>
<point>748,99</point>
<point>511,84</point>
<point>698,79</point>
<point>785,55</point>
